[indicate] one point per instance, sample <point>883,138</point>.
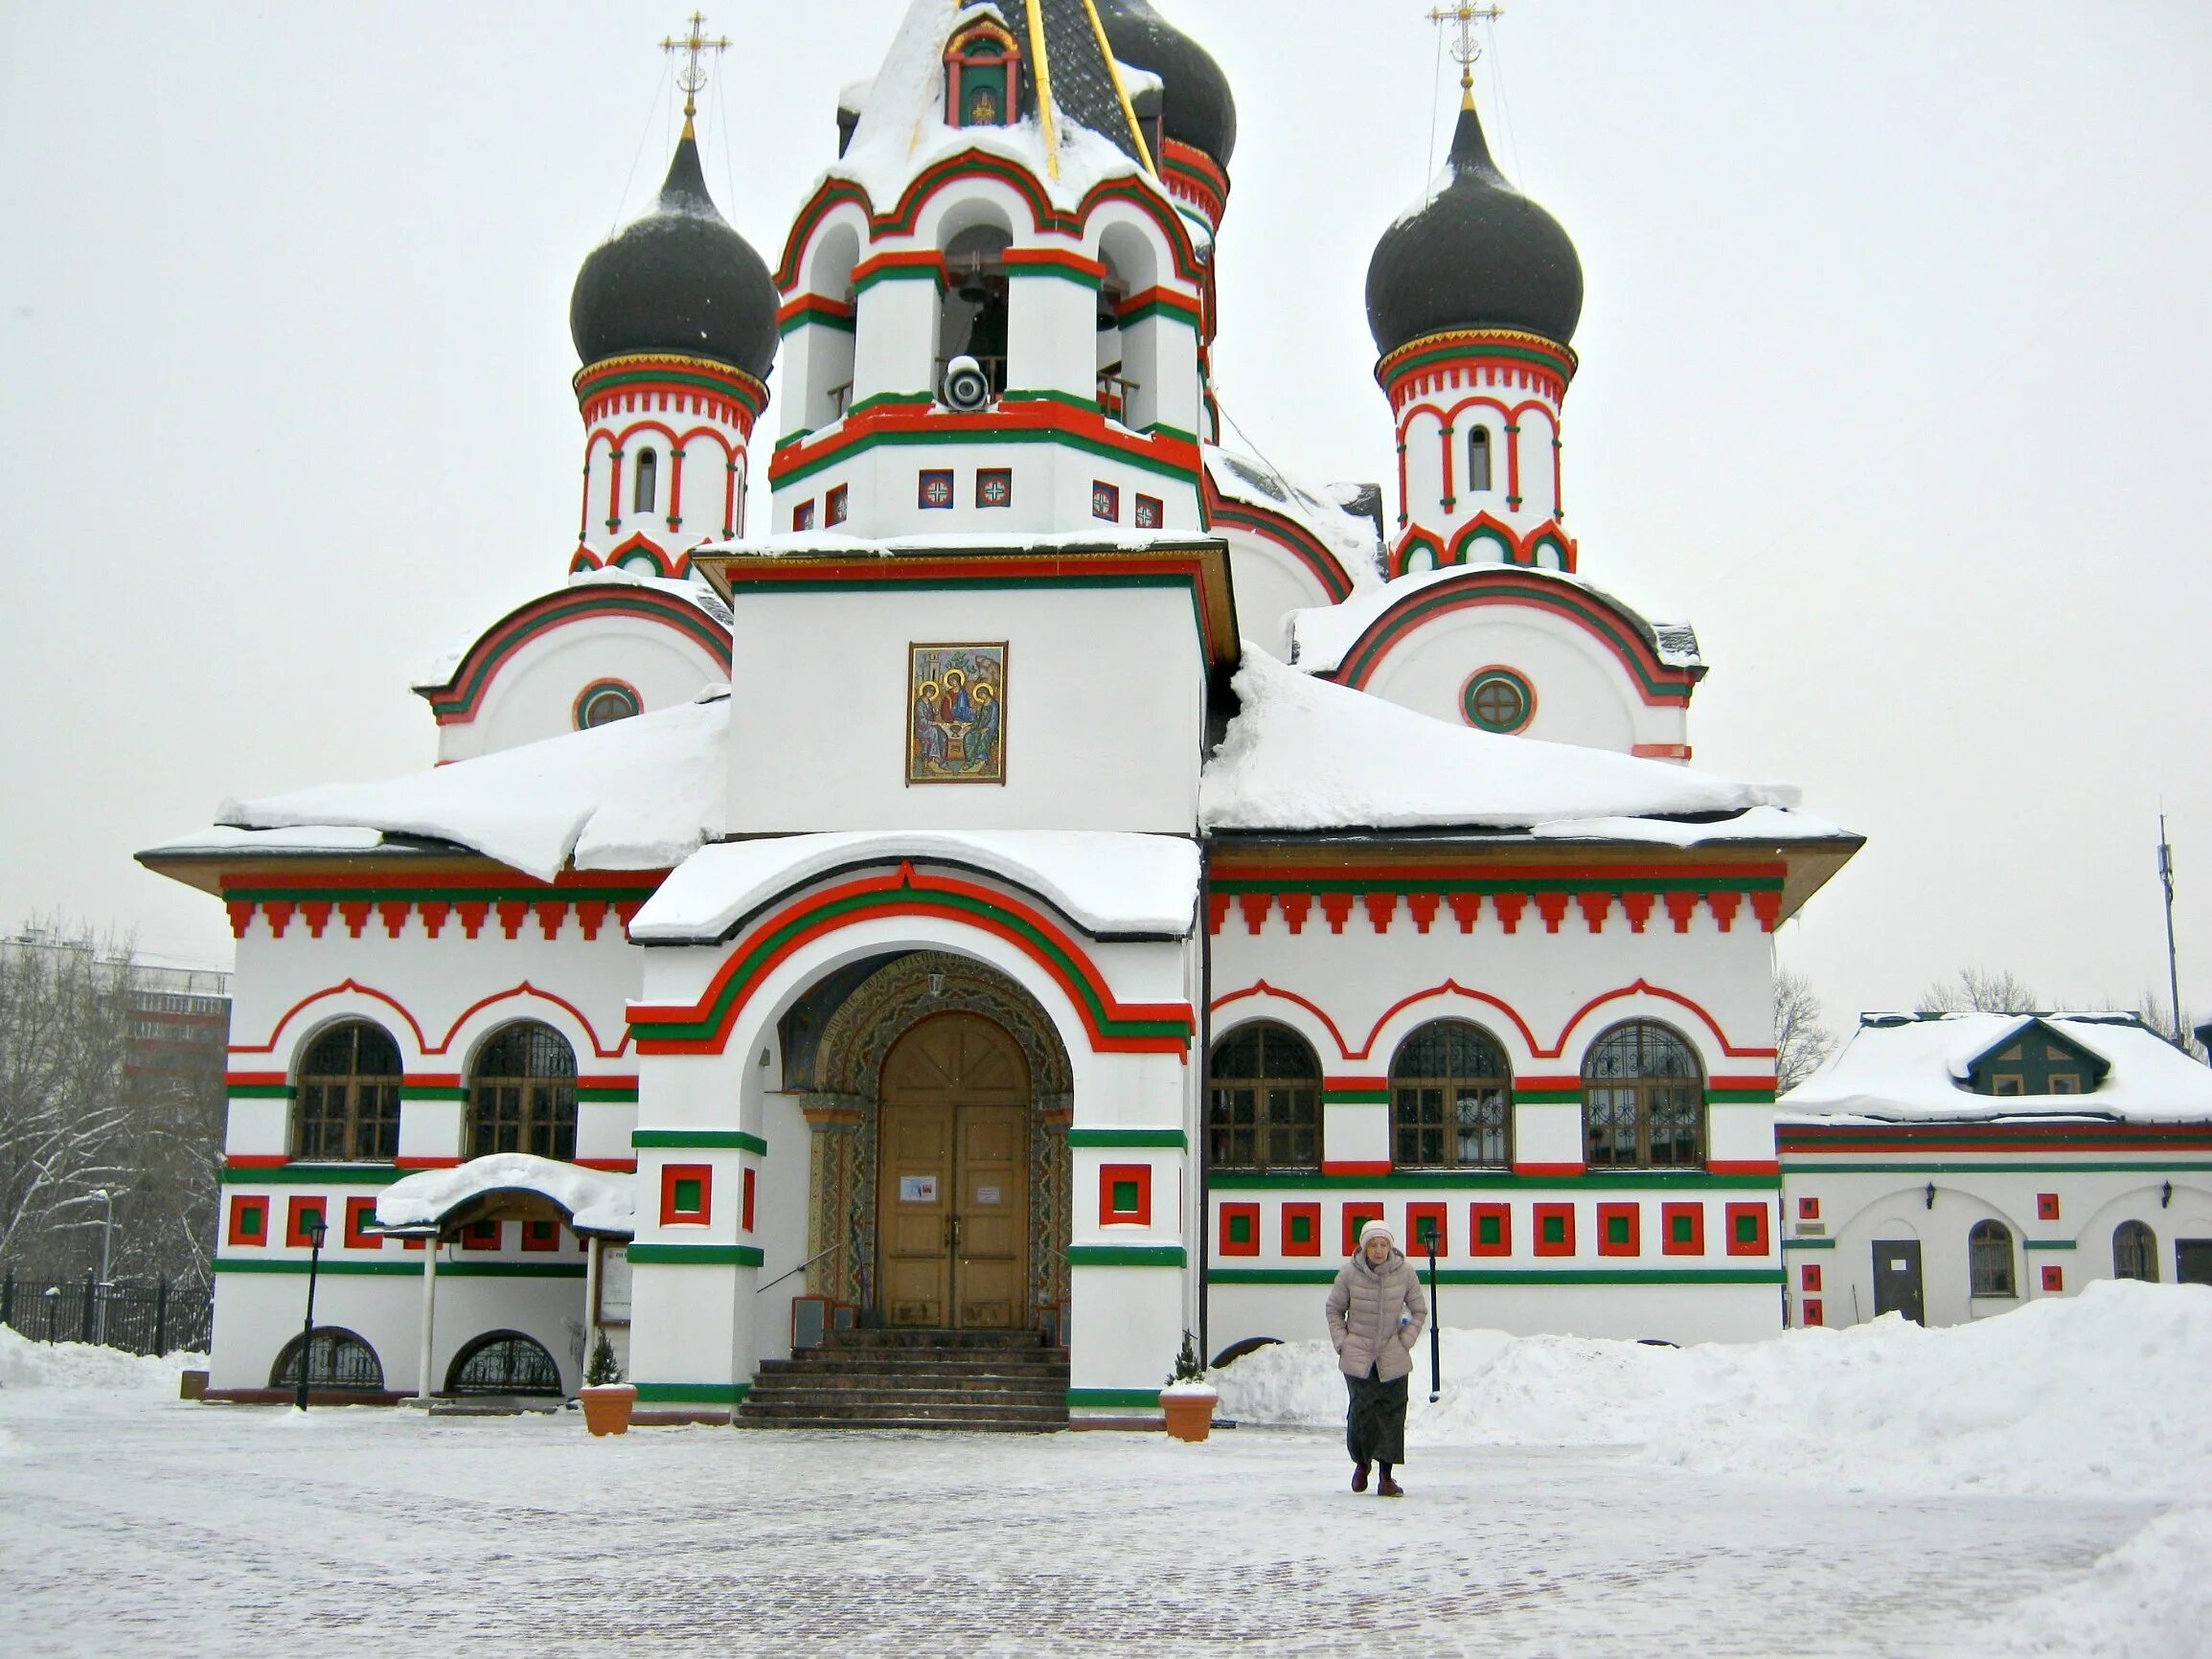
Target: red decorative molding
<point>1553,908</point>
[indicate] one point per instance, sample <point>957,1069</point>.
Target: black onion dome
<point>679,280</point>
<point>1480,255</point>
<point>1200,110</point>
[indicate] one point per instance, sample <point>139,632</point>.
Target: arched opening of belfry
<point>937,1095</point>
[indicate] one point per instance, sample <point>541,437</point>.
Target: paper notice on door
<point>987,1196</point>
<point>918,1189</point>
<point>1896,1264</point>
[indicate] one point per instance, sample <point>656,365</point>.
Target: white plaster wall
<point>895,344</point>
<point>1677,1313</point>
<point>1584,695</point>
<point>1105,711</point>
<point>1268,585</point>
<point>532,696</point>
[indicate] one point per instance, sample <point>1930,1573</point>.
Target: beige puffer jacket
<point>1365,1306</point>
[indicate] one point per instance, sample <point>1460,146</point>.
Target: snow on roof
<point>1305,754</point>
<point>1764,824</point>
<point>1324,635</point>
<point>1326,512</point>
<point>595,1202</point>
<point>901,130</point>
<point>638,794</point>
<point>1105,883</point>
<point>1913,1068</point>
<point>313,838</point>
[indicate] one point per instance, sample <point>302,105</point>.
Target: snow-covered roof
<point>1105,883</point>
<point>638,794</point>
<point>1328,512</point>
<point>1914,1068</point>
<point>1323,636</point>
<point>224,840</point>
<point>595,1202</point>
<point>440,668</point>
<point>1305,754</point>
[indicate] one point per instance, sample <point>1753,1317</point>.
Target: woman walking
<point>1376,1315</point>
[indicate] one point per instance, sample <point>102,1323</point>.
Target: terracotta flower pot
<point>1190,1413</point>
<point>606,1409</point>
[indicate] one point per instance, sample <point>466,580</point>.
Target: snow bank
<point>637,794</point>
<point>2150,1598</point>
<point>2098,1395</point>
<point>1304,754</point>
<point>596,1202</point>
<point>28,1364</point>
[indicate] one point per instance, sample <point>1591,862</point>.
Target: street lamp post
<point>53,1300</point>
<point>106,1251</point>
<point>315,1230</point>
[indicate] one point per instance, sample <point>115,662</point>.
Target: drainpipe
<point>1204,1063</point>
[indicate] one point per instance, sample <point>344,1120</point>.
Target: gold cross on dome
<point>1467,49</point>
<point>693,75</point>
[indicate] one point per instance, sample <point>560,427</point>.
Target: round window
<point>604,704</point>
<point>1499,700</point>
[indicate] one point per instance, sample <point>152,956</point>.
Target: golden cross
<point>693,75</point>
<point>1463,17</point>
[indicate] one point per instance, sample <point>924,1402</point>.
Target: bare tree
<point>1980,990</point>
<point>1802,1044</point>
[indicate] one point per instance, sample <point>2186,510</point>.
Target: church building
<point>1054,880</point>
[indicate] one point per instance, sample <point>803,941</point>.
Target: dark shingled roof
<point>1200,111</point>
<point>678,279</point>
<point>1480,256</point>
<point>1082,82</point>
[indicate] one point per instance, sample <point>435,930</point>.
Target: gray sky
<point>1893,367</point>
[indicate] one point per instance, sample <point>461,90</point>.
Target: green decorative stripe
<point>1421,881</point>
<point>693,1255</point>
<point>716,1393</point>
<point>1508,1276</point>
<point>701,1140</point>
<point>607,1094</point>
<point>1178,310</point>
<point>1739,1096</point>
<point>314,1175</point>
<point>2049,1243</point>
<point>259,1091</point>
<point>899,274</point>
<point>1355,1096</point>
<point>1088,406</point>
<point>736,392</point>
<point>425,1092</point>
<point>844,322</point>
<point>881,401</point>
<point>1808,1244</point>
<point>1594,1181</point>
<point>1173,1140</point>
<point>997,435</point>
<point>1850,1165</point>
<point>1092,1398</point>
<point>1114,1256</point>
<point>408,1269</point>
<point>1093,281</point>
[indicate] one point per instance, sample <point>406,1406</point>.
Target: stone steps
<point>976,1380</point>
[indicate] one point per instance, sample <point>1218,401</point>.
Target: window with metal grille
<point>2135,1252</point>
<point>1989,1251</point>
<point>1450,1099</point>
<point>338,1360</point>
<point>504,1362</point>
<point>348,1108</point>
<point>1643,1100</point>
<point>522,1093</point>
<point>1263,1101</point>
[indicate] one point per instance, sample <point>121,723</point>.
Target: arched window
<point>2135,1252</point>
<point>1478,458</point>
<point>975,315</point>
<point>340,1362</point>
<point>1450,1099</point>
<point>522,1095</point>
<point>644,484</point>
<point>1643,1100</point>
<point>504,1362</point>
<point>1989,1250</point>
<point>1263,1101</point>
<point>347,1109</point>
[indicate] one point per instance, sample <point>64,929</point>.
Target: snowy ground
<point>129,1518</point>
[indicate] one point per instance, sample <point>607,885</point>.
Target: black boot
<point>1389,1489</point>
<point>1359,1476</point>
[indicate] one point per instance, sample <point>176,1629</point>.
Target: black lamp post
<point>312,1226</point>
<point>53,1300</point>
<point>1427,1236</point>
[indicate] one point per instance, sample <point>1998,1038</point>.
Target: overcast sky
<point>1893,383</point>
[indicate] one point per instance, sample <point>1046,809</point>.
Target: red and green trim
<point>910,419</point>
<point>1286,533</point>
<point>1509,1276</point>
<point>1111,1025</point>
<point>1457,349</point>
<point>692,1255</point>
<point>1529,1178</point>
<point>1994,1138</point>
<point>815,309</point>
<point>668,372</point>
<point>460,698</point>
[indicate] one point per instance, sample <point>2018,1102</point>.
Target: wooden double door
<point>952,1178</point>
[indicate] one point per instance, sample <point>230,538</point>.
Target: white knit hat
<point>1377,1228</point>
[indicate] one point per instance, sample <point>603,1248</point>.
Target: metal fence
<point>139,1316</point>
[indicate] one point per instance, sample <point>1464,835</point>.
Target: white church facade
<point>1056,877</point>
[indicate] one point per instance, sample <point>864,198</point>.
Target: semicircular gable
<point>459,699</point>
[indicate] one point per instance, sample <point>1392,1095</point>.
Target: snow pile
<point>2149,1599</point>
<point>1106,883</point>
<point>595,1203</point>
<point>2098,1395</point>
<point>28,1364</point>
<point>637,794</point>
<point>1916,1067</point>
<point>1304,754</point>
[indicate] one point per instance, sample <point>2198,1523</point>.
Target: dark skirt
<point>1375,1425</point>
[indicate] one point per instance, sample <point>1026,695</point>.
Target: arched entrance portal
<point>940,1095</point>
<point>952,1189</point>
